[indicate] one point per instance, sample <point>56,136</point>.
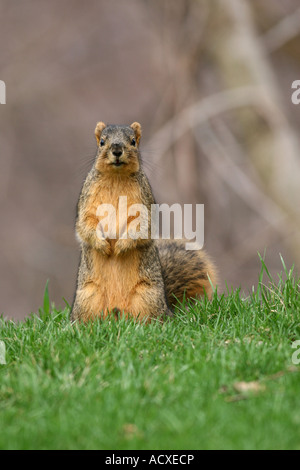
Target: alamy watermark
<point>138,221</point>
<point>296,94</point>
<point>2,92</point>
<point>296,354</point>
<point>2,353</point>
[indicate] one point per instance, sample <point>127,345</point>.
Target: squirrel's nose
<point>117,150</point>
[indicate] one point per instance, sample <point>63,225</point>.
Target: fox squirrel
<point>120,274</point>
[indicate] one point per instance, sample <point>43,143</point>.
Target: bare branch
<point>284,31</point>
<point>201,112</point>
<point>224,166</point>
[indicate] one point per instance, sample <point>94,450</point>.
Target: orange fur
<point>114,281</point>
<point>112,284</point>
<point>99,128</point>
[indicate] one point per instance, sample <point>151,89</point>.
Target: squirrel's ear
<point>137,130</point>
<point>99,128</point>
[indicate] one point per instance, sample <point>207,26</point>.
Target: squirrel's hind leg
<point>149,303</point>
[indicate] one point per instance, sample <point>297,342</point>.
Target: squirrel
<point>126,275</point>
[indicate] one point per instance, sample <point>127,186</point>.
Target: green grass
<point>123,385</point>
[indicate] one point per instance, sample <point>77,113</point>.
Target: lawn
<point>223,375</point>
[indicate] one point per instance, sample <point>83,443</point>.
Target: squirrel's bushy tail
<point>187,274</point>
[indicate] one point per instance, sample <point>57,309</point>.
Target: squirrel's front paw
<point>123,245</point>
<point>103,246</point>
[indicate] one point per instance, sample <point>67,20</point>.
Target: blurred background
<point>210,82</point>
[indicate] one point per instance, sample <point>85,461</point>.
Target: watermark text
<point>296,354</point>
<point>2,92</point>
<point>138,221</point>
<point>296,94</point>
<point>2,353</point>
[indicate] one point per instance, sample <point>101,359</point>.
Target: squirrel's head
<point>118,148</point>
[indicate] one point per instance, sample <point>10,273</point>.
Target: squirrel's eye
<point>102,142</point>
<point>133,142</point>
